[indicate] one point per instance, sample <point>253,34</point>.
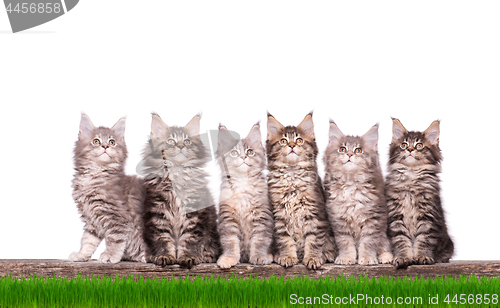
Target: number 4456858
<point>472,299</point>
<point>34,8</point>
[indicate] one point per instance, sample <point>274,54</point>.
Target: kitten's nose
<point>180,146</point>
<point>350,155</point>
<point>105,146</point>
<point>291,144</point>
<point>410,149</point>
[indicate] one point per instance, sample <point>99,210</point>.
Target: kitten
<point>245,215</point>
<point>110,202</point>
<point>302,230</point>
<point>417,226</point>
<point>180,216</point>
<point>355,199</point>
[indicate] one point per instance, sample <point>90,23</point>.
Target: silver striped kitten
<point>302,230</point>
<point>355,200</point>
<point>417,225</point>
<point>245,214</point>
<point>109,201</point>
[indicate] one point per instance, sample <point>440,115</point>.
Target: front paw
<point>106,257</point>
<point>164,260</point>
<point>312,263</point>
<point>367,260</point>
<point>77,257</point>
<point>345,260</point>
<point>187,262</point>
<point>226,262</point>
<point>385,258</point>
<point>261,260</point>
<point>401,262</point>
<point>423,260</point>
<point>287,261</point>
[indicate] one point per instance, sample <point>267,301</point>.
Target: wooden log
<point>64,268</point>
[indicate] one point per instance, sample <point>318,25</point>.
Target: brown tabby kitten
<point>180,216</point>
<point>302,230</point>
<point>417,226</point>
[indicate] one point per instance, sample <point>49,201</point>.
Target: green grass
<point>242,292</point>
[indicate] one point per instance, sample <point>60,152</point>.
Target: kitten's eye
<point>404,145</point>
<point>96,141</point>
<point>299,141</point>
<point>187,142</point>
<point>234,153</point>
<point>250,152</point>
<point>283,141</point>
<point>358,151</point>
<point>171,141</point>
<point>342,150</point>
<point>112,142</point>
<point>419,146</point>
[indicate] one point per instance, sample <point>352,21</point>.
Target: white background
<point>356,62</point>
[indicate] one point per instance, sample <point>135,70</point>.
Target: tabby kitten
<point>110,202</point>
<point>417,226</point>
<point>180,216</point>
<point>355,199</point>
<point>245,215</point>
<point>302,230</point>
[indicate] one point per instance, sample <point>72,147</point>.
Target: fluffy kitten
<point>417,226</point>
<point>110,202</point>
<point>302,230</point>
<point>245,215</point>
<point>355,199</point>
<point>180,217</point>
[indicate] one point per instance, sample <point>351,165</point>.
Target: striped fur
<point>180,216</point>
<point>245,215</point>
<point>302,230</point>
<point>417,226</point>
<point>355,199</point>
<point>110,202</point>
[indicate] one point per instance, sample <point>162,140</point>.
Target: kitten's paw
<point>423,260</point>
<point>312,263</point>
<point>367,260</point>
<point>226,262</point>
<point>401,262</point>
<point>287,261</point>
<point>187,262</point>
<point>345,260</point>
<point>164,260</point>
<point>261,260</point>
<point>385,258</point>
<point>76,257</point>
<point>108,258</point>
<point>329,256</point>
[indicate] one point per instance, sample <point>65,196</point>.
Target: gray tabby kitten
<point>355,198</point>
<point>110,202</point>
<point>302,230</point>
<point>180,216</point>
<point>417,226</point>
<point>245,215</point>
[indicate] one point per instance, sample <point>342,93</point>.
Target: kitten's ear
<point>273,126</point>
<point>398,130</point>
<point>432,133</point>
<point>370,139</point>
<point>254,137</point>
<point>335,135</point>
<point>193,127</point>
<point>225,141</point>
<point>307,126</point>
<point>157,126</point>
<point>119,129</point>
<point>86,128</point>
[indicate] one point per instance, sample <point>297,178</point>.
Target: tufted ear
<point>254,137</point>
<point>398,130</point>
<point>157,126</point>
<point>307,126</point>
<point>273,126</point>
<point>193,127</point>
<point>432,133</point>
<point>225,140</point>
<point>86,128</point>
<point>370,139</point>
<point>335,135</point>
<point>119,129</point>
